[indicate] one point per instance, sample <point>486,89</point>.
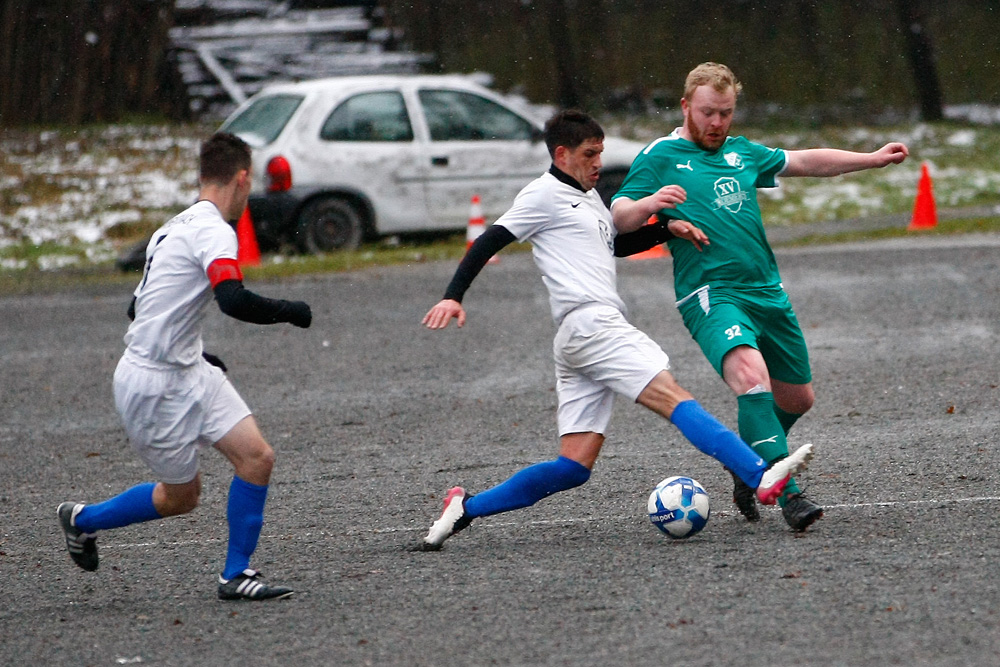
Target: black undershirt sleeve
<point>237,301</point>
<point>492,241</point>
<point>643,238</point>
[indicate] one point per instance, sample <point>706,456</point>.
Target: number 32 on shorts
<point>733,332</point>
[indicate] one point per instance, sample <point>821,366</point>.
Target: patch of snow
<point>828,195</point>
<point>53,262</point>
<point>962,138</point>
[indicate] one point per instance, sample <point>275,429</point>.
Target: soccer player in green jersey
<point>728,288</point>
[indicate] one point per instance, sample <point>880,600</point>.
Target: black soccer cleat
<point>745,498</point>
<point>82,546</point>
<point>247,586</point>
<point>800,512</point>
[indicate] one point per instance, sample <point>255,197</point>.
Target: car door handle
<point>440,161</point>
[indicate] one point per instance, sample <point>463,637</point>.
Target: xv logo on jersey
<point>729,195</point>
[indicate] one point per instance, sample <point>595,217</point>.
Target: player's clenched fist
<point>300,314</point>
<point>440,315</point>
<point>892,153</point>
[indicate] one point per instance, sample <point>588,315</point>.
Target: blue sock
<point>128,507</point>
<point>245,513</point>
<point>711,437</point>
<point>526,487</point>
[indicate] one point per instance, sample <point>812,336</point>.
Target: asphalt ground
<point>374,418</point>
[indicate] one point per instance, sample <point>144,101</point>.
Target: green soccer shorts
<point>720,319</point>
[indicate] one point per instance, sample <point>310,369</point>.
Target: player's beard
<point>700,140</point>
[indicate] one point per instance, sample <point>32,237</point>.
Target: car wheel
<point>608,184</point>
<point>329,223</point>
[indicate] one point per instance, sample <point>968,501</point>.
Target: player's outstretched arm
<point>833,161</point>
<point>442,313</point>
<point>629,215</point>
<point>489,243</point>
<point>237,301</point>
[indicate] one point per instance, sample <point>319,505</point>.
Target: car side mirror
<point>536,135</point>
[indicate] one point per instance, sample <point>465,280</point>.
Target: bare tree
<point>920,54</point>
<point>570,80</point>
<point>73,61</point>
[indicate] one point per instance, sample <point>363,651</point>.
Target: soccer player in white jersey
<point>173,397</point>
<point>597,352</point>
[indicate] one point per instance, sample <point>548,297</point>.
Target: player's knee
<point>188,504</point>
<point>261,460</point>
<point>663,394</point>
<point>743,369</point>
<point>804,404</point>
<point>796,402</point>
<point>179,501</point>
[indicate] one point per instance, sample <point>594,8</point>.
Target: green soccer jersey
<point>721,191</point>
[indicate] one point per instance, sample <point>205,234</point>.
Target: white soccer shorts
<point>169,413</point>
<point>598,354</point>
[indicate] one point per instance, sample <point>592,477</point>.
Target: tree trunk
<point>69,61</point>
<point>569,78</point>
<point>920,54</point>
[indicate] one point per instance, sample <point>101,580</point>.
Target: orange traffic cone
<point>656,251</point>
<point>477,225</point>
<point>924,210</point>
<point>248,253</point>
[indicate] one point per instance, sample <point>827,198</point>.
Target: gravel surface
<point>374,417</point>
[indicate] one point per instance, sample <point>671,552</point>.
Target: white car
<point>342,160</point>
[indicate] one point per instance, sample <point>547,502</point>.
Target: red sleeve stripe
<point>223,269</point>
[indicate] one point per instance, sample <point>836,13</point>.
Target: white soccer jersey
<point>175,289</point>
<point>572,238</point>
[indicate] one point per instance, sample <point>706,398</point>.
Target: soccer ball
<point>678,506</point>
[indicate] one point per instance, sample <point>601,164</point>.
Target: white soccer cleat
<point>773,482</point>
<point>453,519</point>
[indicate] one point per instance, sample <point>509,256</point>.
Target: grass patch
<point>45,256</point>
<point>943,228</point>
<point>34,281</point>
<point>282,266</point>
<point>133,231</point>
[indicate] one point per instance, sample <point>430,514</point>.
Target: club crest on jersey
<point>729,195</point>
<point>733,160</point>
<point>605,230</point>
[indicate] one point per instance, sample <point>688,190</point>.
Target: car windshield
<point>261,122</point>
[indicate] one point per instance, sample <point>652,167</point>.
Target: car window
<point>454,115</point>
<point>262,121</point>
<point>377,116</point>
